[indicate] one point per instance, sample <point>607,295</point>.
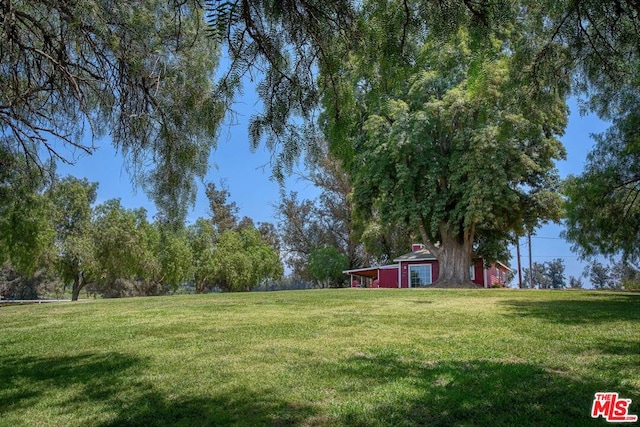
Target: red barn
<point>420,268</point>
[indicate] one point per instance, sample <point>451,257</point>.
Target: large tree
<point>448,137</point>
<point>139,71</point>
<point>26,229</point>
<point>592,42</point>
<point>72,200</point>
<point>440,114</point>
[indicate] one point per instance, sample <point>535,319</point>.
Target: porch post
<point>485,271</point>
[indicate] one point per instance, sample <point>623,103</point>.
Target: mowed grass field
<point>349,357</point>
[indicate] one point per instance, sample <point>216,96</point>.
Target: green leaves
<point>141,71</point>
<point>243,260</point>
<point>26,230</point>
<point>450,140</point>
<point>603,204</point>
<point>326,265</point>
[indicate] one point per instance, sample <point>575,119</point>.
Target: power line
<point>556,256</point>
<point>548,238</point>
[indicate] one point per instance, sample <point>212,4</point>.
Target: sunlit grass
<point>338,357</point>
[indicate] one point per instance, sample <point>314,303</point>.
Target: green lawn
<point>335,357</point>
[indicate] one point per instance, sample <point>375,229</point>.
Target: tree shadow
<point>108,390</point>
<point>26,379</point>
<point>240,407</point>
<point>623,307</point>
<point>467,393</point>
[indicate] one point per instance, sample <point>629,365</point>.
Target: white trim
<point>382,267</point>
<point>420,265</point>
<point>486,271</point>
<point>503,265</point>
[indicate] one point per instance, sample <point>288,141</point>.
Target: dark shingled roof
<point>419,255</point>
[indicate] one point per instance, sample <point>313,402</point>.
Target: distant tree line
<point>54,238</point>
<point>619,276</point>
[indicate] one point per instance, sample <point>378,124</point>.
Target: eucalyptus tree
<point>537,276</point>
<point>599,275</point>
<point>555,272</point>
<point>575,283</point>
<point>224,213</point>
<point>326,221</point>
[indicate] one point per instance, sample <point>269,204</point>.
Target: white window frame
<point>429,269</point>
<point>472,272</point>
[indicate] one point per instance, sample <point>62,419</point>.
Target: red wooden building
<point>420,268</point>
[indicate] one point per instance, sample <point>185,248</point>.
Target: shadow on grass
<point>27,379</point>
<point>623,307</point>
<point>110,390</point>
<point>240,407</point>
<point>460,393</point>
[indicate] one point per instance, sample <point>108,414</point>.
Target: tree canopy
<point>585,48</point>
<point>139,72</point>
<point>447,138</point>
<point>603,203</point>
<point>75,249</point>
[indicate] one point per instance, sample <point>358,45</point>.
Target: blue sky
<point>247,176</point>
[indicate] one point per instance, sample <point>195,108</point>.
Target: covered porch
<point>373,277</point>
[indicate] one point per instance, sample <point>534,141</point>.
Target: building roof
<point>503,265</point>
<point>419,255</point>
<point>369,271</point>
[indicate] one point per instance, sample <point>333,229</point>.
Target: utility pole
<point>519,261</point>
<point>530,263</point>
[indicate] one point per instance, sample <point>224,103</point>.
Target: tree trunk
<point>455,258</point>
<point>77,287</point>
